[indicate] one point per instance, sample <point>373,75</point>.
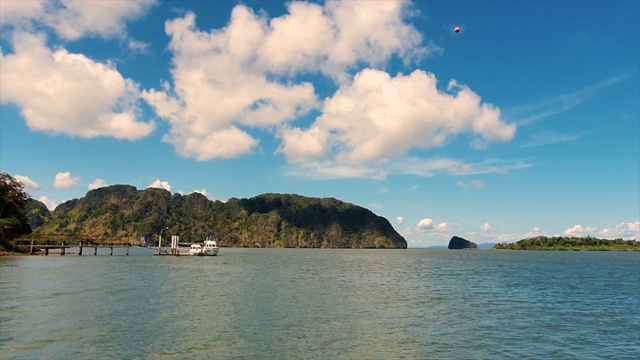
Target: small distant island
<point>461,243</point>
<point>563,243</point>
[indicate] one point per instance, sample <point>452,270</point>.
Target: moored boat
<point>210,247</point>
<point>195,250</point>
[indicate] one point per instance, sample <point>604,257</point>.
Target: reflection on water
<point>317,303</point>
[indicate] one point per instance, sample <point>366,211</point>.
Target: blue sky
<point>526,122</point>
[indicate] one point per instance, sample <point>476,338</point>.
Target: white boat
<point>210,247</point>
<point>195,250</point>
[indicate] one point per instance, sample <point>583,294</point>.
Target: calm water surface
<point>323,304</point>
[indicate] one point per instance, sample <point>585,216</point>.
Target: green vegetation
<point>571,243</point>
<point>13,201</point>
<point>270,220</point>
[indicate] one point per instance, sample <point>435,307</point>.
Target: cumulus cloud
<point>487,227</point>
<point>205,193</point>
<point>27,182</point>
<point>623,230</point>
<point>19,14</point>
<point>535,231</point>
<point>64,180</point>
<point>425,223</point>
<point>62,92</point>
<point>160,185</point>
<point>51,204</point>
<point>225,81</point>
<point>382,109</point>
<point>443,226</point>
<point>428,232</point>
<point>97,183</point>
<point>579,230</point>
<point>74,19</point>
<point>399,220</point>
<point>338,35</point>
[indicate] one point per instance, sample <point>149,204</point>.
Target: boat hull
<point>210,252</point>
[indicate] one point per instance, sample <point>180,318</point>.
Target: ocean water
<point>322,304</point>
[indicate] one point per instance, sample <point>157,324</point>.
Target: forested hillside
<point>570,243</point>
<point>268,220</point>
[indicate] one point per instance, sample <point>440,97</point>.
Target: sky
<point>524,123</point>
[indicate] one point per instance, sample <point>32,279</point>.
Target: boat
<point>210,247</point>
<point>195,250</point>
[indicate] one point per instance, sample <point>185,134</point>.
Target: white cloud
<point>20,13</point>
<point>61,92</point>
<point>336,36</point>
<point>380,169</point>
<point>139,47</point>
<point>205,193</point>
<point>476,184</point>
<point>388,116</point>
<point>579,230</point>
<point>425,223</point>
<point>561,103</point>
<point>64,180</point>
<point>443,226</point>
<point>462,169</point>
<point>428,233</point>
<point>399,220</point>
<point>547,137</point>
<point>160,185</point>
<point>535,231</point>
<point>331,170</point>
<point>27,182</point>
<point>487,227</point>
<point>623,230</point>
<point>234,70</point>
<point>51,204</point>
<point>97,183</point>
<point>74,19</point>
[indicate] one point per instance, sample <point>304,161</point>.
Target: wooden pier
<point>39,244</point>
<point>36,248</point>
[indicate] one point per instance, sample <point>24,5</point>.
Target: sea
<point>322,304</point>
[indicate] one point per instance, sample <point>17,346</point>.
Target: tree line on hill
<point>570,243</point>
<point>267,220</point>
<point>123,212</point>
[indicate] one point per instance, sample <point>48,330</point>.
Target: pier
<point>34,248</point>
<point>38,244</point>
<point>61,244</point>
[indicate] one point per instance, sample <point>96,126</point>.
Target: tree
<point>13,200</point>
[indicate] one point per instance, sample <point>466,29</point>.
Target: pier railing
<point>38,243</point>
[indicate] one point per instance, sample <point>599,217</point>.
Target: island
<point>267,220</point>
<point>460,243</point>
<point>564,243</point>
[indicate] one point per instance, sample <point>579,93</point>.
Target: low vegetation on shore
<point>571,243</point>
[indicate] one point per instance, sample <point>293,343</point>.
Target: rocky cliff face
<point>460,243</point>
<point>268,220</point>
